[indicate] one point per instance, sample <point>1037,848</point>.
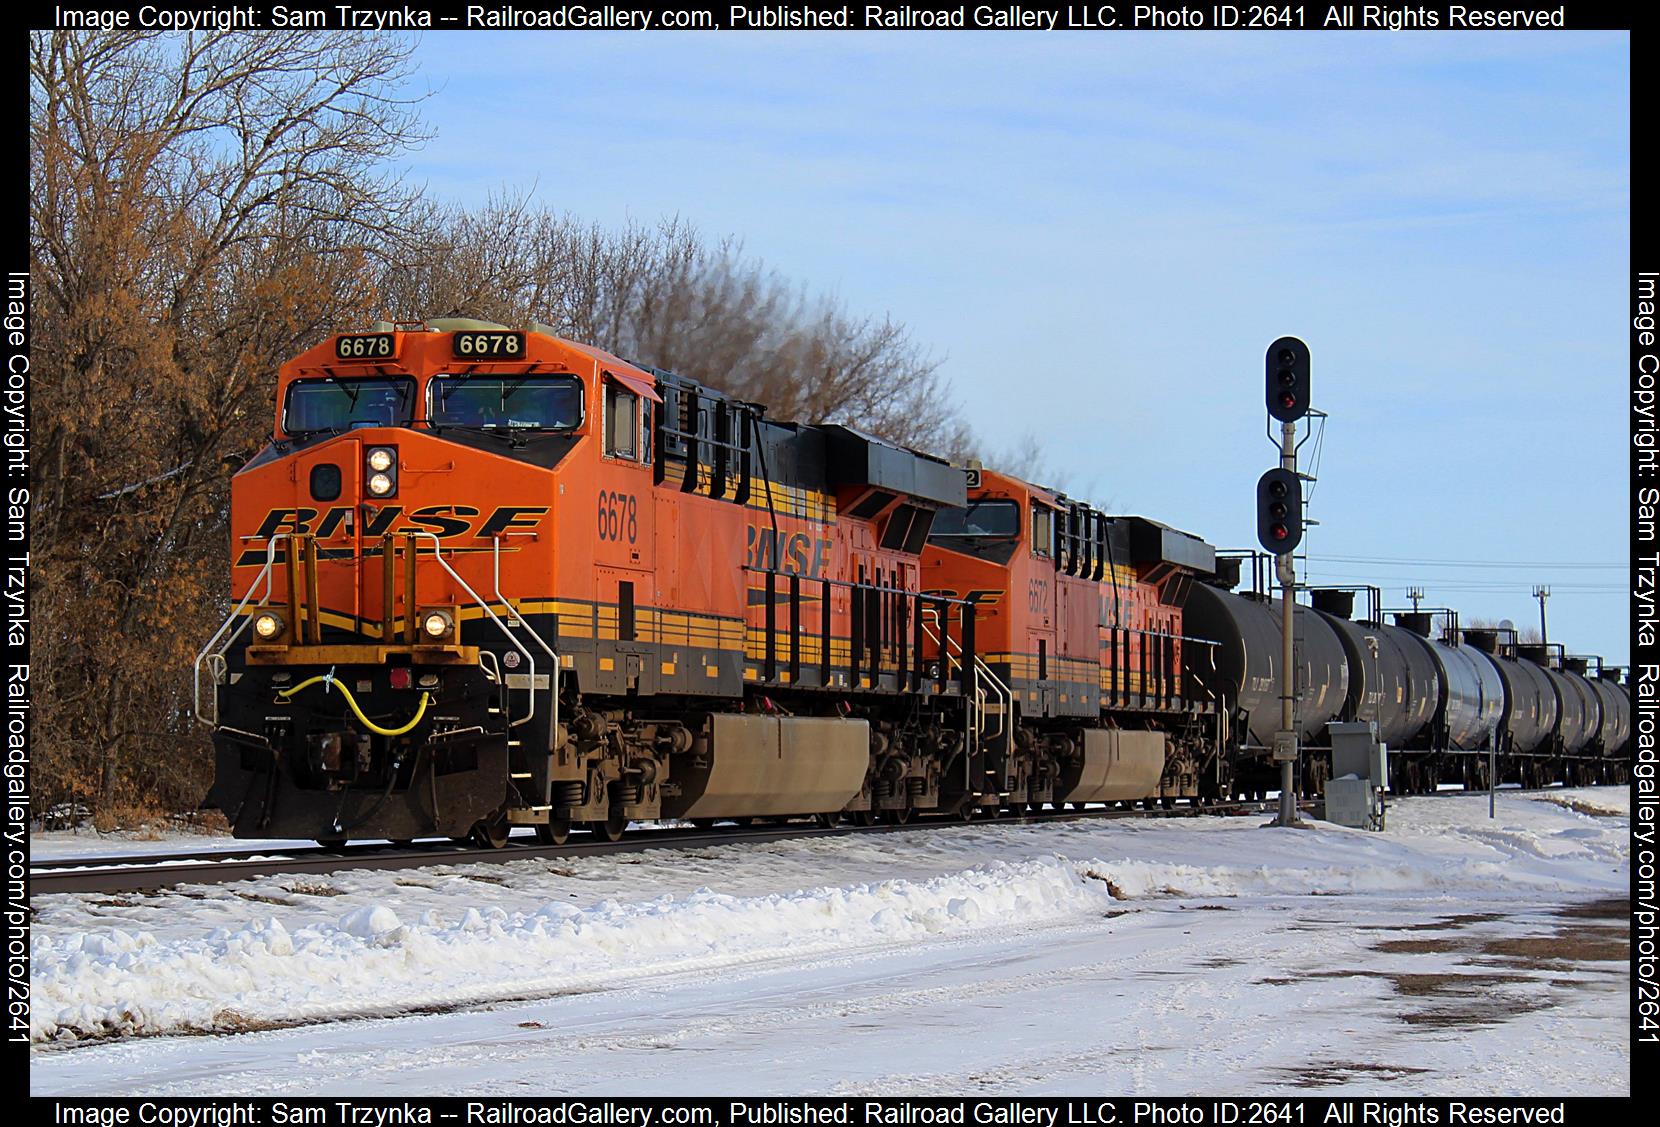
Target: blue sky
<point>1099,234</point>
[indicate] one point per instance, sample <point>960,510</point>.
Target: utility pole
<point>1542,593</point>
<point>1280,529</point>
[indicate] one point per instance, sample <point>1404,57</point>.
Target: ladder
<point>990,706</point>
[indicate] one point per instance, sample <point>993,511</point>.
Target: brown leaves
<point>204,206</point>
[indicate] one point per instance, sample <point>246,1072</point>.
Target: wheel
<point>967,811</point>
<point>898,817</point>
<point>612,828</point>
<point>703,823</point>
<point>826,821</point>
<point>864,817</point>
<point>333,844</point>
<point>403,842</point>
<point>554,832</point>
<point>491,833</point>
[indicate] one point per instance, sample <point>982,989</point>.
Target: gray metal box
<point>1355,750</point>
<point>1349,802</point>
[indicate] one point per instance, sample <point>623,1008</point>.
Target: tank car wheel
<point>555,832</point>
<point>826,821</point>
<point>492,833</point>
<point>611,829</point>
<point>332,844</point>
<point>703,823</point>
<point>864,817</point>
<point>967,811</point>
<point>898,817</point>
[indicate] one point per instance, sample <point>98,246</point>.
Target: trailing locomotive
<point>486,577</point>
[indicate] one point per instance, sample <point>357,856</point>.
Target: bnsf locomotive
<point>486,577</point>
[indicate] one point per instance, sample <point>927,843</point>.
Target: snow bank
<point>277,951</point>
<point>370,961</point>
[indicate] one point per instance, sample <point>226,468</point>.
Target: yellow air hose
<point>329,680</point>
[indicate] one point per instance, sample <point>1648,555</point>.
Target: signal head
<point>1287,366</point>
<point>1279,511</point>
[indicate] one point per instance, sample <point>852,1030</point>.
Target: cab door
<point>625,536</point>
<point>1042,599</point>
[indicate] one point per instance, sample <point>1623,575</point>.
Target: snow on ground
<point>1180,956</point>
<point>62,845</point>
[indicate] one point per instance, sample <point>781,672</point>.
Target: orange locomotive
<point>1079,619</point>
<point>487,577</point>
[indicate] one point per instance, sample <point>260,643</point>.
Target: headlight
<point>268,625</point>
<point>381,459</point>
<point>436,624</point>
<point>380,485</point>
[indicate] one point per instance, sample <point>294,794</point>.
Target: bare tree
<point>666,296</point>
<point>204,206</point>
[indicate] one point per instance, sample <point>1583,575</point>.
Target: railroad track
<point>146,872</point>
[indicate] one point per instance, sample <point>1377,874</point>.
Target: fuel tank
<point>1616,715</point>
<point>1471,703</point>
<point>1530,701</point>
<point>1247,632</point>
<point>1387,667</point>
<point>1365,685</point>
<point>1590,711</point>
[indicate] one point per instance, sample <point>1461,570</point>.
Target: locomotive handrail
<point>1005,694</point>
<point>437,554</point>
<point>519,620</point>
<point>196,677</point>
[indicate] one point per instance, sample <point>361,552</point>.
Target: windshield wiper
<point>351,392</point>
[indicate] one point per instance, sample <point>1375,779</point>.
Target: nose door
<point>328,480</point>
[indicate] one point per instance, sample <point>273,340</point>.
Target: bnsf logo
<point>797,554</point>
<point>444,521</point>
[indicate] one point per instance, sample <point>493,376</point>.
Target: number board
<point>366,346</point>
<point>491,344</point>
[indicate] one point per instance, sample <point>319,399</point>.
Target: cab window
<point>999,520</point>
<point>622,422</point>
<point>320,405</point>
<point>505,402</point>
<point>1043,531</point>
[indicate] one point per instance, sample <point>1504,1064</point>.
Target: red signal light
<point>1279,532</point>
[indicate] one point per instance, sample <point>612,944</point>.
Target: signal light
<point>1287,366</point>
<point>1279,511</point>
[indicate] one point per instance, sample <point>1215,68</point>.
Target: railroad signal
<point>1279,511</point>
<point>1288,379</point>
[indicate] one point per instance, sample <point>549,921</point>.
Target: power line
<point>1394,561</point>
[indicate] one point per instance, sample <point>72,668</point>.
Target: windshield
<point>993,519</point>
<point>335,404</point>
<point>506,402</point>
